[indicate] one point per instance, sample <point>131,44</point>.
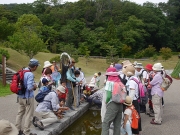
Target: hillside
<point>18,61</point>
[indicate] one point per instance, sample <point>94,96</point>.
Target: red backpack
<point>17,84</point>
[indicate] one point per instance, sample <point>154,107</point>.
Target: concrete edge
<point>58,127</point>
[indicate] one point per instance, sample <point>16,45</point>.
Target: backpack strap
<point>134,79</point>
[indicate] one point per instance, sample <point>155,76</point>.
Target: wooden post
<point>4,70</point>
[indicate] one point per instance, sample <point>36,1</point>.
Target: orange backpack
<point>135,118</point>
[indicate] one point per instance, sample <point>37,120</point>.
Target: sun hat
<point>112,74</point>
<point>126,63</point>
<point>157,67</point>
<point>149,67</point>
<point>61,89</point>
<point>34,62</point>
<point>138,65</point>
<point>135,62</point>
<point>44,81</point>
<point>96,74</point>
<point>73,61</point>
<point>129,70</point>
<point>7,128</point>
<point>118,67</point>
<point>128,101</point>
<point>47,64</point>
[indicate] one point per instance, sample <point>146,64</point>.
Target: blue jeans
<point>95,101</point>
<point>127,129</point>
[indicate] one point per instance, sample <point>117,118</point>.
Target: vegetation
<point>93,25</point>
<point>4,90</point>
<point>176,72</point>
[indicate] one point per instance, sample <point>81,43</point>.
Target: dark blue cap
<point>44,81</point>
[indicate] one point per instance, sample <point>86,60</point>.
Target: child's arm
<point>126,117</point>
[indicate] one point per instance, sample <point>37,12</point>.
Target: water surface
<point>87,124</point>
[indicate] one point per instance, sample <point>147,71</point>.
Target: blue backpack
<point>41,95</point>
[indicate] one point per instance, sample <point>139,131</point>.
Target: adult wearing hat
<point>113,110</point>
<point>133,92</point>
<point>149,69</point>
<point>26,100</point>
<point>71,83</point>
<point>157,94</point>
<point>123,77</point>
<point>49,108</point>
<point>142,74</point>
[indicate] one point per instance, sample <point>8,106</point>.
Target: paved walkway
<point>171,116</point>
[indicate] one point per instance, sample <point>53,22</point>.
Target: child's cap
<point>44,81</point>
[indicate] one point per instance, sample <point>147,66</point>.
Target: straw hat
<point>61,89</point>
<point>47,64</point>
<point>126,63</point>
<point>128,101</point>
<point>7,128</point>
<point>96,74</point>
<point>129,70</point>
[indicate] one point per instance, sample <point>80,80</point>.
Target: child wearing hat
<point>127,119</point>
<point>44,87</point>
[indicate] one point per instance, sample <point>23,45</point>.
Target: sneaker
<point>32,134</point>
<point>40,125</point>
<point>35,119</point>
<point>154,119</point>
<point>152,122</point>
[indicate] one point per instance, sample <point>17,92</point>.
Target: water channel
<point>87,124</point>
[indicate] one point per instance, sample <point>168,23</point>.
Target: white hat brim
<point>45,66</point>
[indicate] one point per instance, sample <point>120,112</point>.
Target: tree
<point>166,53</point>
<point>27,42</point>
<point>125,50</point>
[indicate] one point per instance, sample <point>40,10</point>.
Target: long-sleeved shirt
<point>156,85</point>
<point>29,85</point>
<point>50,103</point>
<point>70,76</point>
<point>98,94</point>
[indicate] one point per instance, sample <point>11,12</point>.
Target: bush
<point>56,58</point>
<point>139,54</point>
<point>165,53</point>
<point>45,50</point>
<point>149,52</point>
<point>155,57</point>
<point>5,53</point>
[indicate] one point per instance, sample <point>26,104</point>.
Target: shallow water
<point>88,124</point>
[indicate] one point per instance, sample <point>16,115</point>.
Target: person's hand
<point>35,86</point>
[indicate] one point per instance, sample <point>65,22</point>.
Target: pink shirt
<point>156,85</point>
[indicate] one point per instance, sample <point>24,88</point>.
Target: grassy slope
<point>18,60</point>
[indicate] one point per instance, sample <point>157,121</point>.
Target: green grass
<point>4,90</point>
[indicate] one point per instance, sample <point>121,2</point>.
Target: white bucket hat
<point>157,67</point>
<point>138,65</point>
<point>7,128</point>
<point>47,64</point>
<point>61,89</point>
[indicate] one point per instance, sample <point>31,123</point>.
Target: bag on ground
<point>118,92</point>
<point>17,84</point>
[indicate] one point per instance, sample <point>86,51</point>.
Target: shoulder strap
<point>135,80</point>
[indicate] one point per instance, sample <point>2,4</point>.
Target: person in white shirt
<point>127,119</point>
<point>93,82</point>
<point>132,87</point>
<point>48,109</point>
<point>142,74</point>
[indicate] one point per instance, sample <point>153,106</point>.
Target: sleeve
<point>30,81</point>
<point>93,95</point>
<point>145,75</point>
<point>127,111</point>
<point>155,80</point>
<point>54,104</point>
<point>69,76</point>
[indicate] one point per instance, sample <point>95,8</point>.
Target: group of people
<point>66,92</point>
<point>130,75</point>
<point>60,93</point>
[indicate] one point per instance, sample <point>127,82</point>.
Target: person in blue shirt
<point>26,101</point>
